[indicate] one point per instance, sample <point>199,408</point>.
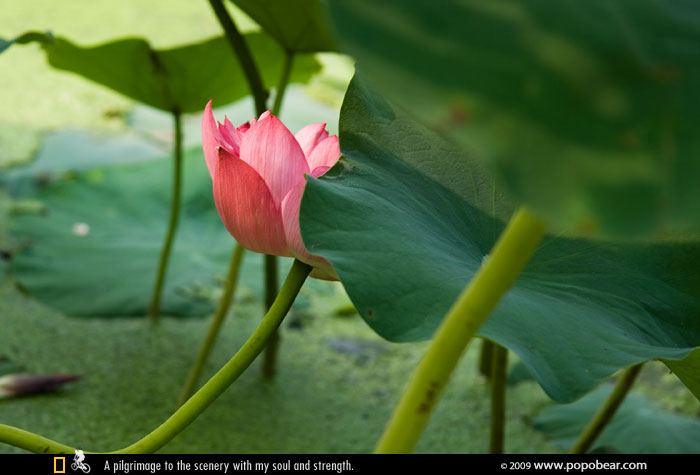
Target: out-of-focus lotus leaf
<point>588,110</point>
<point>638,427</point>
<point>179,79</point>
<point>301,26</point>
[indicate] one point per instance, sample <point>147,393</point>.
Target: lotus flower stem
<point>215,326</point>
<point>154,306</point>
<point>240,48</point>
<point>471,309</point>
<point>486,358</point>
<point>272,348</point>
<point>499,369</point>
<point>606,412</point>
<point>207,394</point>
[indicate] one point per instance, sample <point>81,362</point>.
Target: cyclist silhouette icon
<point>78,463</point>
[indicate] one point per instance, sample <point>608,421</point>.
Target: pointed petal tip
<point>324,155</point>
<point>211,138</point>
<point>310,136</point>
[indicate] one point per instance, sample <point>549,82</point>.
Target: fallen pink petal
<point>23,384</point>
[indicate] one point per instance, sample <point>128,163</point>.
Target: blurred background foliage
<point>586,111</point>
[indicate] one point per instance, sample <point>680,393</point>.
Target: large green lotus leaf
<point>638,427</point>
<point>180,79</point>
<point>588,110</point>
<point>302,26</point>
<point>95,251</point>
<point>688,371</point>
<point>401,219</point>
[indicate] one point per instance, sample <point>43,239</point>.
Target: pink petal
<point>318,171</point>
<point>290,216</point>
<point>309,136</point>
<point>211,139</point>
<point>325,154</point>
<point>274,153</point>
<point>262,116</point>
<point>247,208</point>
<point>231,137</point>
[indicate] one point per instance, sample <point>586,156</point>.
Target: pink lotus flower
<point>258,174</point>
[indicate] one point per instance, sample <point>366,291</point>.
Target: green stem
<point>154,306</point>
<point>284,80</point>
<point>486,358</point>
<point>195,405</point>
<point>498,398</point>
<point>270,354</point>
<point>240,48</point>
<point>606,412</point>
<point>471,309</point>
<point>215,327</point>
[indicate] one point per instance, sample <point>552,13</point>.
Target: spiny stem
<point>606,412</point>
<point>499,369</point>
<point>154,306</point>
<point>215,326</point>
<point>471,309</point>
<point>240,48</point>
<point>207,394</point>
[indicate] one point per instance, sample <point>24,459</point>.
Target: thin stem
<point>215,327</point>
<point>240,48</point>
<point>270,354</point>
<point>486,358</point>
<point>208,393</point>
<point>471,309</point>
<point>32,442</point>
<point>606,412</point>
<point>270,280</point>
<point>498,399</point>
<point>284,80</point>
<point>154,306</point>
<point>269,364</point>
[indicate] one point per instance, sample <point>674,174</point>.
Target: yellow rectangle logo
<point>59,467</point>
